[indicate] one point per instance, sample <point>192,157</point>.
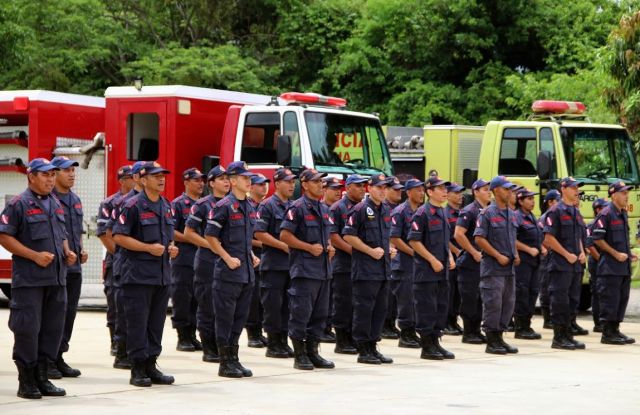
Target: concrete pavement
<point>537,380</point>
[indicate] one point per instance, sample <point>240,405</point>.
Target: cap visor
<point>68,164</point>
<point>46,167</point>
<point>246,173</point>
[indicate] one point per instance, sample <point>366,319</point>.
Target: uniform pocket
<point>313,232</point>
<point>150,229</point>
<point>372,233</point>
<point>236,230</point>
<point>38,227</point>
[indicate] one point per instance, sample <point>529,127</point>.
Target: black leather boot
<point>509,348</point>
<point>112,338</point>
<point>373,347</point>
<point>534,335</point>
<point>184,340</point>
<point>316,360</point>
<point>254,337</point>
<point>139,375</point>
<point>523,329</point>
<point>227,367</point>
<point>344,343</point>
<point>284,343</point>
<point>365,354</point>
<point>389,330</point>
<point>444,352</point>
<point>27,387</point>
<point>494,345</point>
<point>327,336</point>
<point>156,376</point>
<point>407,340</point>
<point>66,370</point>
<point>301,359</point>
<point>469,334</point>
<point>429,349</point>
<point>247,373</point>
<point>46,388</point>
<point>194,338</point>
<point>52,371</point>
<point>511,327</point>
<point>453,328</point>
<point>209,350</point>
<point>609,335</point>
<point>546,318</point>
<point>121,361</point>
<point>597,327</point>
<point>576,330</point>
<point>559,339</point>
<point>274,348</point>
<point>569,336</point>
<point>627,339</point>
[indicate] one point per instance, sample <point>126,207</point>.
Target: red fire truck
<point>181,127</point>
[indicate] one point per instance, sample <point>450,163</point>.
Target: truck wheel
<point>6,290</point>
<point>585,298</point>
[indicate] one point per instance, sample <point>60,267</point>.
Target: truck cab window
<point>143,133</point>
<point>546,144</point>
<point>290,127</point>
<point>259,138</point>
<point>518,152</point>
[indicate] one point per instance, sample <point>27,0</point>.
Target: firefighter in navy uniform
<point>306,229</point>
<point>611,236</point>
<point>368,231</point>
<point>342,312</point>
<point>392,198</point>
<point>550,199</point>
<point>429,238</point>
<point>205,260</point>
<point>455,197</point>
<point>259,190</point>
<point>563,238</point>
<point>274,264</point>
<point>73,215</point>
<point>592,265</point>
<point>183,299</point>
<point>103,232</point>
<point>529,243</point>
<point>495,235</point>
<point>402,267</point>
<point>32,228</point>
<point>145,231</point>
<point>468,264</point>
<point>229,234</point>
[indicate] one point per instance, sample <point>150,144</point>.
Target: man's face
<point>356,191</point>
<point>313,188</point>
<point>620,199</point>
<point>154,182</point>
<point>194,186</point>
<point>221,185</point>
<point>502,195</point>
<point>437,194</point>
<point>571,194</point>
<point>260,190</point>
<point>286,187</point>
<point>42,182</point>
<point>416,195</point>
<point>66,178</point>
<point>455,198</point>
<point>393,196</point>
<point>332,195</point>
<point>377,193</point>
<point>483,195</point>
<point>126,184</point>
<point>242,183</point>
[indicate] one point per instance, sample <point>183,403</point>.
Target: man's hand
<point>70,257</point>
<point>393,252</point>
<point>43,259</point>
<point>173,251</point>
<point>316,250</point>
<point>255,260</point>
<point>621,257</point>
<point>517,260</point>
<point>571,258</point>
<point>533,251</point>
<point>503,260</point>
<point>452,263</point>
<point>544,251</point>
<point>477,256</point>
<point>84,256</point>
<point>582,258</point>
<point>377,253</point>
<point>156,249</point>
<point>331,251</point>
<point>437,265</point>
<point>232,263</point>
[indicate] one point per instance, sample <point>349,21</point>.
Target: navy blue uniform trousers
<point>145,308</point>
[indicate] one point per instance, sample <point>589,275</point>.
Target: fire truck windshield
<point>347,142</point>
<point>599,155</point>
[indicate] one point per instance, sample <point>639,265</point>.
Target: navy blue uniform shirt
<point>115,213</point>
<point>429,225</point>
<point>269,218</point>
<point>73,217</point>
<point>38,223</point>
<point>104,217</point>
<point>181,209</point>
<point>499,228</point>
<point>452,218</point>
<point>530,234</point>
<point>612,226</point>
<point>340,213</point>
<point>201,211</point>
<point>372,224</point>
<point>467,219</point>
<point>565,223</point>
<point>309,221</point>
<point>400,227</point>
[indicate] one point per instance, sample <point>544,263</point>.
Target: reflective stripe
<point>194,217</point>
<point>214,223</point>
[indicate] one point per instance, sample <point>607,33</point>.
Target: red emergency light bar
<point>311,98</point>
<point>558,107</point>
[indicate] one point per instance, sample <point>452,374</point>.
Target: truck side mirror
<point>544,164</point>
<point>283,150</point>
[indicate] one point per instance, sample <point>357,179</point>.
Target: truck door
<point>518,153</point>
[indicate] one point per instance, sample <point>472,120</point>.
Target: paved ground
<point>538,380</point>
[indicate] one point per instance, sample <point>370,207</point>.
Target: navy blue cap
<point>455,187</point>
<point>412,184</point>
<point>379,180</point>
<point>216,171</point>
<point>259,179</point>
<point>524,192</point>
<point>395,183</point>
<point>501,181</point>
<point>598,203</point>
<point>137,166</point>
<point>192,173</point>
<point>238,168</point>
<point>41,164</point>
<point>310,175</point>
<point>283,174</point>
<point>152,167</point>
<point>618,186</point>
<point>552,195</point>
<point>478,184</point>
<point>434,181</point>
<point>125,171</point>
<point>570,182</point>
<point>332,183</point>
<point>356,178</point>
<point>63,162</point>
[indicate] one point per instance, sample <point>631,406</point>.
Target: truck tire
<point>585,298</point>
<point>6,290</point>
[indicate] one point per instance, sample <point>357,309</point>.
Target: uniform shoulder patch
<point>131,201</point>
<point>15,200</point>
